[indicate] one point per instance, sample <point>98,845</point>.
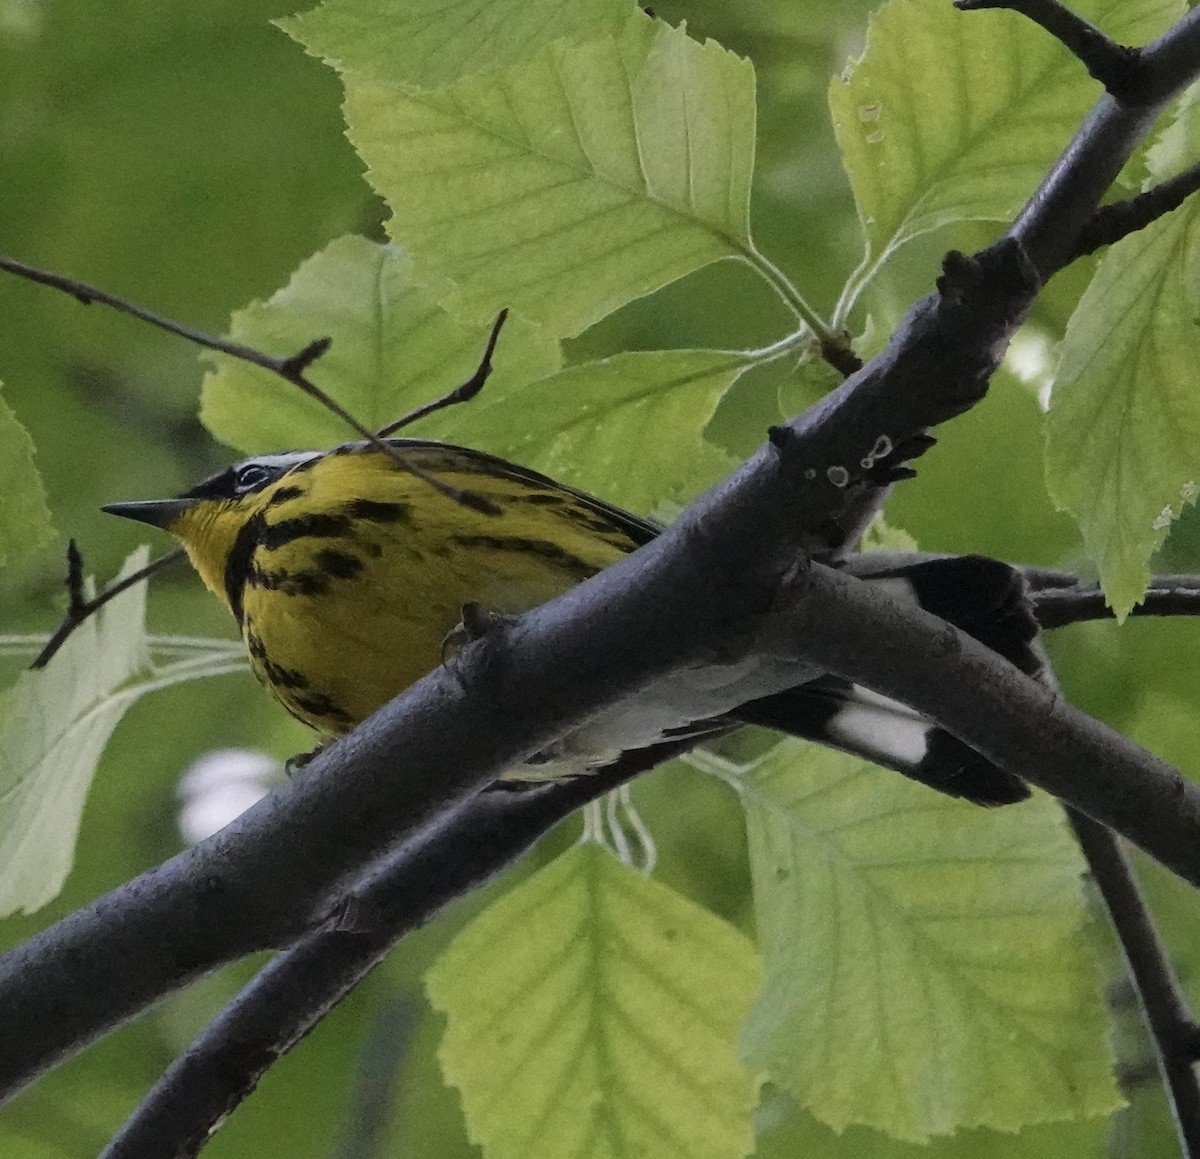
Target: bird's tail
<point>983,597</point>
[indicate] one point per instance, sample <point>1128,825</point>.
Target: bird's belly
<point>333,657</point>
<point>327,669</point>
<point>668,708</point>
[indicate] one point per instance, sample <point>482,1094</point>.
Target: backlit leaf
<point>24,517</point>
<point>433,42</point>
<point>566,185</point>
<point>955,116</point>
<point>629,428</point>
<point>393,349</point>
<point>56,722</point>
<point>924,965</point>
<point>1123,447</point>
<point>593,1012</point>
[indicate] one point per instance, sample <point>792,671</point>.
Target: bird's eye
<point>250,476</point>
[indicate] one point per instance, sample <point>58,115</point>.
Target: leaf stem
<point>31,643</point>
<point>858,280</point>
<point>792,343</point>
<point>835,346</point>
<point>17,645</point>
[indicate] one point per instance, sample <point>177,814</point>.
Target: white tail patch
<point>875,726</point>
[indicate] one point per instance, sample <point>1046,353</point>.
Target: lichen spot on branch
<point>882,448</point>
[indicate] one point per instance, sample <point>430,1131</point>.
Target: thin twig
<point>464,393</point>
<point>1116,66</point>
<point>87,294</point>
<point>1173,1030</point>
<point>79,607</point>
<point>1112,222</point>
<point>1168,595</point>
<point>381,1061</point>
<point>291,368</point>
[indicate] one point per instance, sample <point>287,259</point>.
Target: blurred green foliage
<point>191,157</point>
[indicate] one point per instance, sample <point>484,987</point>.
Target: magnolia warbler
<point>346,573</point>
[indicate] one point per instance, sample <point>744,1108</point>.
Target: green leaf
<point>800,1136</point>
<point>430,43</point>
<point>594,1012</point>
<point>629,428</point>
<point>24,517</point>
<point>924,969</point>
<point>393,349</point>
<point>805,385</point>
<point>1178,144</point>
<point>1123,445</point>
<point>952,116</point>
<point>56,722</point>
<point>571,183</point>
<point>881,536</point>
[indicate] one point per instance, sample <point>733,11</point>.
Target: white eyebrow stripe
<point>282,459</point>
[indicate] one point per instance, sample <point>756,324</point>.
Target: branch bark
<point>281,865</point>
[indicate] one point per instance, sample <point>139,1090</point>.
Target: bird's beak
<point>157,512</point>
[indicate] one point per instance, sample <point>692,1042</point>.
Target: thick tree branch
<point>1172,1028</point>
<point>694,596</point>
<point>277,870</point>
<point>281,863</point>
<point>493,829</point>
<point>1170,62</point>
<point>294,992</point>
<point>1050,224</point>
<point>857,632</point>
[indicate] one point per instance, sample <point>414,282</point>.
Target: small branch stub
<point>1119,219</point>
<point>299,362</point>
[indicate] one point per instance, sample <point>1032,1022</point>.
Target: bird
<point>347,570</point>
